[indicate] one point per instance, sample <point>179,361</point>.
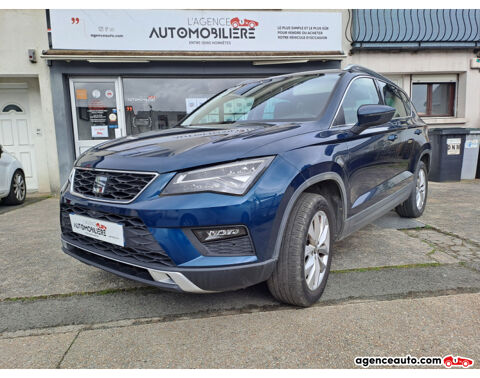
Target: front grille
<point>140,248</point>
<point>241,246</point>
<point>120,186</point>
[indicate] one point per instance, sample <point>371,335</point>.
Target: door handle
<point>392,137</point>
<point>418,131</point>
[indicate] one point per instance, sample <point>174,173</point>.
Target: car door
<point>373,154</point>
<point>401,122</point>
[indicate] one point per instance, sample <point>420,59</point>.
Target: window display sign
<point>96,110</point>
<point>100,131</point>
<point>196,30</point>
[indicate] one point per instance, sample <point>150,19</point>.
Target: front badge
<point>100,185</point>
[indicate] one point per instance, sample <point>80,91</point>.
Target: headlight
<point>232,178</point>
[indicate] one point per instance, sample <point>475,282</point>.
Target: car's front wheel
<point>306,254</point>
<point>18,189</point>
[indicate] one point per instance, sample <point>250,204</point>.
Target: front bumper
<point>169,256</point>
<point>193,280</point>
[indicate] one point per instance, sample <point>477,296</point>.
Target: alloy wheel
<point>19,187</point>
<point>421,189</point>
<point>317,250</point>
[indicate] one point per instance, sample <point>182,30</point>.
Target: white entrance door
<point>15,131</point>
<point>97,109</point>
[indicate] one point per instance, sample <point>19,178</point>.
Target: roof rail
<point>358,68</point>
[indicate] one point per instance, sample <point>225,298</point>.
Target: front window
<point>434,99</point>
<point>361,91</point>
<point>298,98</point>
<point>394,98</point>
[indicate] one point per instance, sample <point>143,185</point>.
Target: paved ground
<point>398,286</point>
<point>31,198</point>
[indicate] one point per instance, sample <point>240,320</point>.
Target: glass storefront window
<point>160,103</point>
<point>95,110</point>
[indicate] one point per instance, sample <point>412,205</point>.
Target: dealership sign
<point>184,30</point>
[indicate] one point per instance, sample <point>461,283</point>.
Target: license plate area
<point>106,231</point>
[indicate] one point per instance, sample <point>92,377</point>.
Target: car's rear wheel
<point>414,206</point>
<point>306,254</point>
<point>18,189</point>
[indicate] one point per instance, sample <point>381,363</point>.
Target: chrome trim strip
<point>182,282</point>
<point>156,174</point>
<point>164,276</point>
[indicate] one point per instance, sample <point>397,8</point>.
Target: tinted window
<point>299,97</point>
<point>393,97</point>
<point>361,92</point>
<point>407,104</point>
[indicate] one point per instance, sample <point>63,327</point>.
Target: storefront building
<point>120,73</point>
<point>99,75</point>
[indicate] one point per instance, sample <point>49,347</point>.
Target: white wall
<point>21,30</point>
<point>400,65</point>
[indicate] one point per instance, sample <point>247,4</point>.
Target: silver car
<point>13,188</point>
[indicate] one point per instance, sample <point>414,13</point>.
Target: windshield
<point>291,98</point>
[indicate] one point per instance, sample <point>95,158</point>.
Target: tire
<point>289,283</point>
<point>411,208</point>
<point>18,189</point>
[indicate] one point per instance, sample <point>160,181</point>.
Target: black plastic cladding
<point>141,248</point>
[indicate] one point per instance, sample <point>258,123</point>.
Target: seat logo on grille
<point>100,185</point>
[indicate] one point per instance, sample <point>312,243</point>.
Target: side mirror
<point>372,115</point>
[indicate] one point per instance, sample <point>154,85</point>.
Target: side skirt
<point>375,211</point>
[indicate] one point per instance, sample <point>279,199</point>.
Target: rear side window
<point>394,98</point>
<point>406,102</point>
<point>361,92</point>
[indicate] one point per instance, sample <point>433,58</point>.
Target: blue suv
<point>254,185</point>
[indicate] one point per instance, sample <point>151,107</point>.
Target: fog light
<point>206,235</point>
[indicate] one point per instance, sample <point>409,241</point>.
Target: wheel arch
<point>327,183</point>
<point>426,157</point>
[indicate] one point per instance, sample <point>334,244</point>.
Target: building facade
<point>431,54</point>
<point>101,75</point>
<point>121,73</point>
<point>27,129</point>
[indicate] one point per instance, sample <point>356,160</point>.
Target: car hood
<point>184,147</point>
